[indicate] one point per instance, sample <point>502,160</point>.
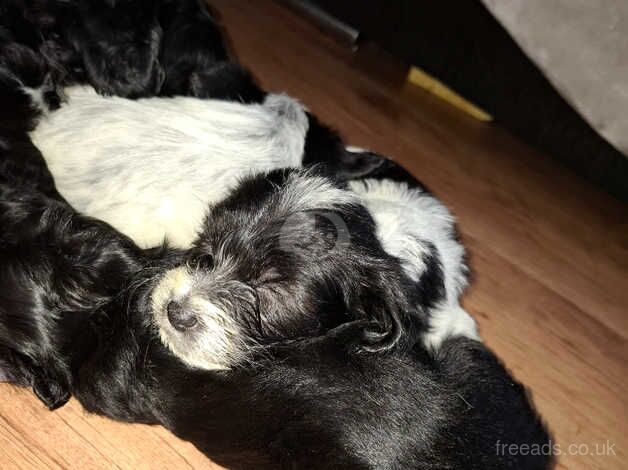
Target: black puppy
<point>131,48</point>
<point>55,266</point>
<point>316,403</point>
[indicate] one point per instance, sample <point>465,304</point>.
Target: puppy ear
<point>394,318</point>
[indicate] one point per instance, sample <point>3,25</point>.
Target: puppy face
<point>197,311</point>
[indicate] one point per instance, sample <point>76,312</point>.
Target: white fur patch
<point>354,149</point>
<point>150,167</point>
<point>214,343</point>
<point>304,192</point>
<point>449,321</point>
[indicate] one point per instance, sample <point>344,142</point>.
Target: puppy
<point>155,164</point>
<point>293,241</point>
<point>316,403</point>
<point>150,167</point>
<point>131,48</point>
<point>57,267</point>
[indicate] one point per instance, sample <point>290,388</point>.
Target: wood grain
<point>549,254</point>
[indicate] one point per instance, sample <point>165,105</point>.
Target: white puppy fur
<point>150,167</point>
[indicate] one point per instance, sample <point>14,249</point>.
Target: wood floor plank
<point>549,254</point>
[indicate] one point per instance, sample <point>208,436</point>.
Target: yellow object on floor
<point>419,78</point>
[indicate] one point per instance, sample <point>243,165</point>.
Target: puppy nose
<point>180,318</point>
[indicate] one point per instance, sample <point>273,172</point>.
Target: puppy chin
<point>214,343</point>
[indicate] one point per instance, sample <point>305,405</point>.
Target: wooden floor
<point>549,255</point>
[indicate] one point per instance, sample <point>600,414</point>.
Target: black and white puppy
<point>298,253</point>
<point>151,166</point>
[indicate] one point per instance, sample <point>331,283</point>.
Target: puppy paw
<point>50,391</point>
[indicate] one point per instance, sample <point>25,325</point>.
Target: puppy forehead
<point>177,280</point>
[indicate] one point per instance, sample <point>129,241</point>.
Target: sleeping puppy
<point>293,251</point>
<point>316,403</point>
<point>56,267</point>
<point>132,48</point>
<point>150,167</point>
<point>294,241</point>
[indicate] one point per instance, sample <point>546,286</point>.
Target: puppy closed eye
<point>270,276</point>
